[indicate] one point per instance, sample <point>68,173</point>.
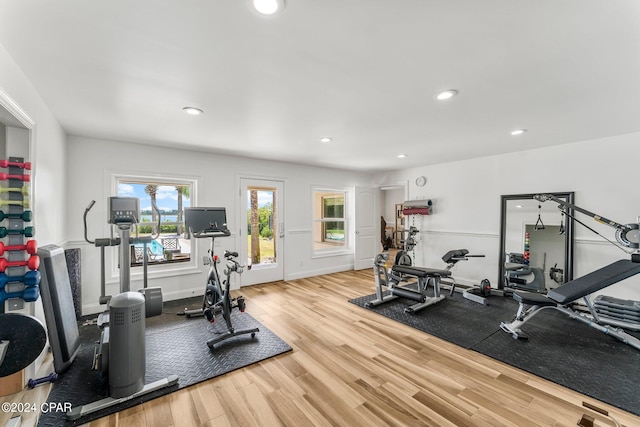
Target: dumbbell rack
<point>527,252</point>
<point>15,205</point>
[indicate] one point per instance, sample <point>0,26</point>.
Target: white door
<point>367,227</point>
<point>261,230</point>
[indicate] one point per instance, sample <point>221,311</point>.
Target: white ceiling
<point>363,72</point>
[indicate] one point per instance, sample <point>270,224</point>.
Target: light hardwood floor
<point>352,367</point>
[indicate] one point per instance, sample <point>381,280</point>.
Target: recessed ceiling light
<point>402,156</point>
<point>325,139</point>
<point>518,206</point>
<point>266,7</point>
<point>193,111</point>
<point>446,94</point>
<point>518,132</point>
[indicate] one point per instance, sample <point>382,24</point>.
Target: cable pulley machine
<point>627,235</point>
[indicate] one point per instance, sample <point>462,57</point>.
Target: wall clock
<point>421,181</point>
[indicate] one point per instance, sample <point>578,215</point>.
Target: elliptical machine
<point>212,223</point>
<point>121,352</point>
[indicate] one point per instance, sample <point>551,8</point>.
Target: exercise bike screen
<point>198,220</point>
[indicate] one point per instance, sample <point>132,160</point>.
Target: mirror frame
<point>569,230</point>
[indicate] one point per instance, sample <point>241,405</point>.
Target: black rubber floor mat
<point>461,326</point>
<point>574,355</point>
<point>559,349</point>
<point>175,345</point>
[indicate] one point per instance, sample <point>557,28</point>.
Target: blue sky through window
<point>166,196</point>
<point>264,198</point>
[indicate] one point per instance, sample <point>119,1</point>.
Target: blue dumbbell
<point>30,278</point>
<point>49,378</point>
<point>28,294</point>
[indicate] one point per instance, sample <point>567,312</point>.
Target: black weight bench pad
<point>594,281</point>
<point>533,298</point>
<point>420,271</point>
<point>456,253</point>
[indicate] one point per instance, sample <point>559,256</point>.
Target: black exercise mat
<point>573,355</point>
<point>559,349</point>
<point>461,326</point>
<point>175,345</point>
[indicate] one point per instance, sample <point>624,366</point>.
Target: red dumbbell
<point>5,176</point>
<point>33,263</point>
<point>31,247</point>
<point>7,163</point>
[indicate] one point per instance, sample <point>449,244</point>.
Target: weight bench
<point>562,297</point>
<point>423,275</point>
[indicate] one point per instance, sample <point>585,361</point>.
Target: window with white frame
<point>171,196</point>
<point>329,229</point>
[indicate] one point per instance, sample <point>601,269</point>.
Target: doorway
<point>367,211</point>
<point>392,219</point>
<point>261,230</point>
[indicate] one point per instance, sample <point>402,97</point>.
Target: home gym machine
<point>627,235</point>
<point>121,352</point>
<point>391,279</point>
<point>477,293</point>
<point>605,314</point>
<point>401,271</point>
<point>211,223</point>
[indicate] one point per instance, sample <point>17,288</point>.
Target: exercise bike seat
<point>421,271</point>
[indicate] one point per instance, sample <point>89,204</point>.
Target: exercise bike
<point>217,298</point>
<point>211,223</point>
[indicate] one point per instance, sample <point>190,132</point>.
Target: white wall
<point>94,161</point>
<point>47,154</point>
<point>466,197</point>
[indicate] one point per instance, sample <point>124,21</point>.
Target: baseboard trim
<point>319,272</point>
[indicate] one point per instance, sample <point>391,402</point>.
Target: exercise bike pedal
<point>209,315</point>
<point>212,311</point>
<point>241,304</point>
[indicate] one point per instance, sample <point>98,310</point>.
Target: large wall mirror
<point>536,242</point>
